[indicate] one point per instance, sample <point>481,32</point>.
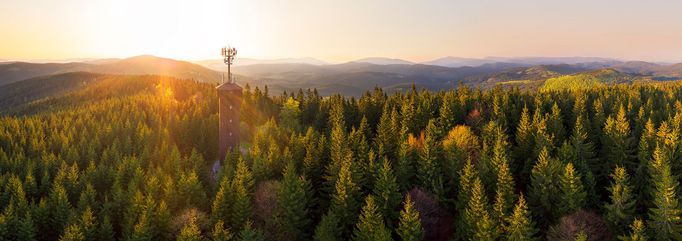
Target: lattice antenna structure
<point>228,54</point>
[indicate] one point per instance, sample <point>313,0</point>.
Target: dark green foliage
<point>572,192</point>
<point>249,233</point>
<point>620,210</point>
<point>132,158</point>
<point>294,201</point>
<point>664,222</point>
<point>480,225</point>
<point>544,195</point>
<point>386,193</point>
<point>371,226</point>
<point>410,226</point>
<point>520,225</point>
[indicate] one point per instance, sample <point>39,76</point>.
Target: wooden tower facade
<point>229,101</point>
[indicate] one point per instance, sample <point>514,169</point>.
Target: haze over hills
<point>144,64</point>
<point>350,78</point>
<point>382,61</point>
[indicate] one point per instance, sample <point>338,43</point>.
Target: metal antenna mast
<point>228,57</point>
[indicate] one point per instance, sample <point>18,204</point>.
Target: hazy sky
<point>416,30</point>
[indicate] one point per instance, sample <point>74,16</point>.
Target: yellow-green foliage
<point>597,78</point>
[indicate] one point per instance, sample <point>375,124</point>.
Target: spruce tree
<point>544,193</point>
<point>386,193</point>
<point>583,155</point>
<point>665,216</point>
<point>242,186</point>
<point>637,232</point>
<point>555,125</point>
<point>480,226</point>
<point>249,233</point>
<point>572,192</point>
<point>520,225</point>
<point>371,226</point>
<point>620,211</point>
<point>72,233</point>
<point>105,232</point>
<point>524,142</point>
<point>59,211</point>
<point>386,139</point>
<point>428,168</point>
<point>618,148</point>
<point>220,232</point>
<point>328,229</point>
<point>345,201</point>
<point>504,195</point>
<point>190,232</point>
<point>294,200</point>
<point>410,226</point>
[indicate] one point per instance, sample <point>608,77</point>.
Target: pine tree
<point>544,193</point>
<point>72,233</point>
<point>16,226</point>
<point>664,217</point>
<point>387,193</point>
<point>410,226</point>
<point>190,232</point>
<point>542,138</point>
<point>618,148</point>
<point>572,192</point>
<point>105,232</point>
<point>520,226</point>
<point>405,169</point>
<point>345,202</point>
<point>637,232</point>
<point>59,211</point>
<point>620,211</point>
<point>480,225</point>
<point>141,230</point>
<point>220,232</point>
<point>386,139</point>
<point>466,181</point>
<point>249,233</point>
<point>428,168</point>
<point>555,125</point>
<point>504,196</point>
<point>524,140</point>
<point>338,145</point>
<point>242,186</point>
<point>328,229</point>
<point>87,224</point>
<point>221,209</point>
<point>583,157</point>
<point>371,226</point>
<point>293,201</point>
<point>446,114</point>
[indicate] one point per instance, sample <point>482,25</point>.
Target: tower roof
<point>228,87</point>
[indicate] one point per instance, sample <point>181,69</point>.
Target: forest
<point>130,158</point>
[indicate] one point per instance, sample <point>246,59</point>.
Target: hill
<point>18,93</point>
<point>590,79</point>
<point>353,77</point>
<point>146,64</point>
<point>382,61</point>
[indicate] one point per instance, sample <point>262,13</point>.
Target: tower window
<point>230,107</point>
<point>230,133</point>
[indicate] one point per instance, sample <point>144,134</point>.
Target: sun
<point>175,29</point>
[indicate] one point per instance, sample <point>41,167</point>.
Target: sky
<point>336,31</point>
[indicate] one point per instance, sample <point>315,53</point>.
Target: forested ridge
<point>130,157</point>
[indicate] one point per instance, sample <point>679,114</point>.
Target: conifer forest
<point>134,157</point>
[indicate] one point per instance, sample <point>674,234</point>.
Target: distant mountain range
<point>145,64</point>
<point>21,82</point>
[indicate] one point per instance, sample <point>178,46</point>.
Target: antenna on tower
<point>228,54</point>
